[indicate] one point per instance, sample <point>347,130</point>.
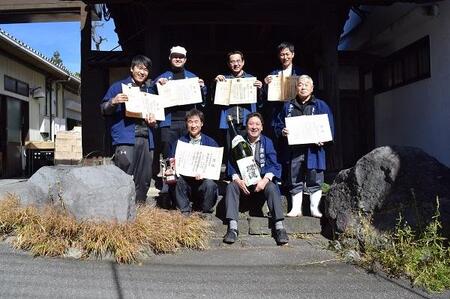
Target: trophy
<point>168,171</point>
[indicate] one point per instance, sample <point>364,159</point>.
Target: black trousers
<point>203,193</point>
<point>136,160</point>
<point>270,193</point>
<point>170,135</point>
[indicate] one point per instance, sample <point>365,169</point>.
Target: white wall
<point>72,104</point>
<point>417,114</point>
<point>37,113</point>
<point>20,72</point>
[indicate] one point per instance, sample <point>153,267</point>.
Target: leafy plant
<point>423,257</point>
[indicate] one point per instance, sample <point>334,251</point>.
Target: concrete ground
<point>254,267</point>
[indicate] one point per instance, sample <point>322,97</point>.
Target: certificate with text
<point>180,92</point>
<point>282,88</point>
<point>142,104</point>
<point>192,160</point>
<point>307,129</point>
<point>236,91</point>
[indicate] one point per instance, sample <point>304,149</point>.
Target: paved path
<point>252,268</point>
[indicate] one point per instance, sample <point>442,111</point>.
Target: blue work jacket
<point>315,155</point>
<point>247,108</point>
<point>169,76</point>
<point>122,127</point>
<point>205,140</point>
<point>267,160</point>
<point>277,106</point>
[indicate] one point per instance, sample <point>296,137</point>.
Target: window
<point>410,64</point>
<point>16,86</point>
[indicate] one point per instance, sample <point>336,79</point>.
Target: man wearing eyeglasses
<point>132,138</point>
<point>239,113</point>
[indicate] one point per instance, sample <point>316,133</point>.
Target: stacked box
<point>68,147</point>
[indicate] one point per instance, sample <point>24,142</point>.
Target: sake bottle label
<point>249,170</point>
<point>236,140</point>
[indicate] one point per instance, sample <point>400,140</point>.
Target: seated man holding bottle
<point>263,188</point>
<point>203,192</point>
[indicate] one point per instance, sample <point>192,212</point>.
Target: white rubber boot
<point>296,205</point>
<point>314,199</point>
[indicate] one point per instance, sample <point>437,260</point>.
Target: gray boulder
<point>385,183</point>
<point>89,192</point>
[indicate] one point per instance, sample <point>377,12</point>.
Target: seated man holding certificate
<point>132,138</point>
<point>202,191</point>
<point>265,189</point>
<point>306,160</point>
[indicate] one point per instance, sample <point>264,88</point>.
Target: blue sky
<point>59,36</point>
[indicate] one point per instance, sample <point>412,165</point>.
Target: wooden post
<point>330,31</point>
<point>94,82</point>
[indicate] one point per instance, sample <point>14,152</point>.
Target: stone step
<point>298,225</point>
<point>251,222</point>
<point>249,225</point>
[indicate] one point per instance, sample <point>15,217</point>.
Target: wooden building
<point>211,28</point>
<point>208,30</point>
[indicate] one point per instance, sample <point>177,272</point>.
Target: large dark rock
<point>88,192</point>
<point>385,183</point>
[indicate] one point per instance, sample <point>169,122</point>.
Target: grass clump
<point>423,257</point>
<point>325,188</point>
<point>52,231</point>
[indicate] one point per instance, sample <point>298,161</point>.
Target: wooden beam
<point>92,91</point>
<point>22,11</point>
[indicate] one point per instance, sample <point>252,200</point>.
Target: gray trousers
<point>270,193</point>
<point>302,179</point>
<point>203,193</point>
<point>136,160</point>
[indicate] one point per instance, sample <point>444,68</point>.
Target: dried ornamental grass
<point>49,231</point>
<point>52,231</point>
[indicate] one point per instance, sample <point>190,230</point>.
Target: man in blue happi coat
<point>173,127</point>
<point>306,163</point>
<point>265,189</point>
<point>132,138</point>
<point>286,55</point>
<point>203,192</point>
<point>236,62</point>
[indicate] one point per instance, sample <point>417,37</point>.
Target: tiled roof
<point>39,55</point>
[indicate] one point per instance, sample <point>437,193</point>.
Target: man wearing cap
<point>173,127</point>
<point>132,138</point>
